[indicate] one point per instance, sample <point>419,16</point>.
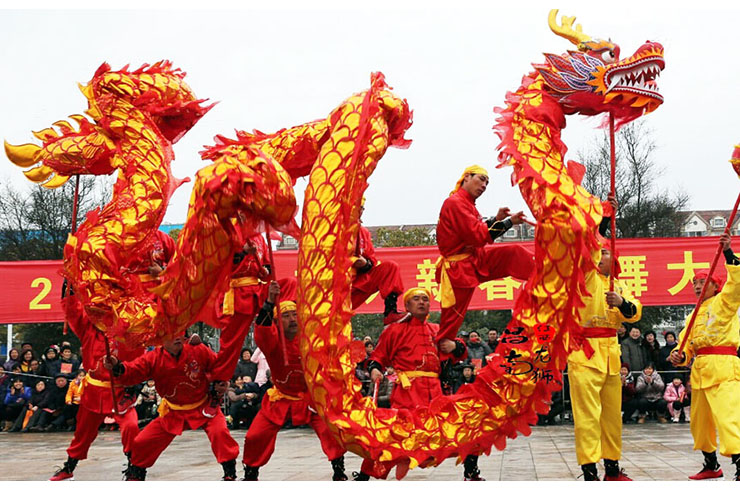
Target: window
<point>510,233</point>
<point>289,241</point>
<point>718,222</point>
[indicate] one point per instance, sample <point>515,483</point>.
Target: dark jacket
<point>634,353</point>
<point>246,368</point>
<point>478,351</point>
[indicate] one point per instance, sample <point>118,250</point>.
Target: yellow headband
<point>411,292</point>
<point>473,169</point>
<point>287,306</point>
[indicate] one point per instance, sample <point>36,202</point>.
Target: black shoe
<point>590,473</point>
<point>337,466</point>
<point>360,476</point>
<point>134,473</point>
<point>471,472</point>
<point>251,473</point>
<point>229,470</point>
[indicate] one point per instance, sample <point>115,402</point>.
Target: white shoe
<point>675,420</point>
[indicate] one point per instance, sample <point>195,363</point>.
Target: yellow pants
<point>596,398</point>
<point>716,410</point>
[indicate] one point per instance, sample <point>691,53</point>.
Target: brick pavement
<point>650,452</point>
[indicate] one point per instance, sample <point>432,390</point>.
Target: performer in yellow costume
<point>595,385</point>
<point>715,375</point>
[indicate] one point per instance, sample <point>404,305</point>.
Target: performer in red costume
<point>247,291</point>
<point>465,261</point>
<point>97,398</point>
<point>288,396</point>
<point>373,276</point>
<point>410,348</point>
<point>181,372</point>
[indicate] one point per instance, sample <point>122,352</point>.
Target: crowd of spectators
<point>42,394</point>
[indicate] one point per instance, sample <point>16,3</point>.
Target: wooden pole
<point>74,229</point>
<point>685,336</point>
<point>612,194</point>
<point>281,334</point>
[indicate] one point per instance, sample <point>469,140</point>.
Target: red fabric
<point>411,346</point>
<point>365,246</point>
<point>181,380</point>
<point>384,278</point>
<point>599,332</point>
<point>287,378</point>
<point>88,422</point>
<point>461,229</point>
<point>162,248</point>
<point>717,350</point>
<point>95,399</point>
<point>156,437</point>
<point>408,346</point>
<point>259,442</point>
<point>487,263</point>
<point>658,253</point>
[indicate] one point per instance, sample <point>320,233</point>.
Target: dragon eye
<point>608,56</point>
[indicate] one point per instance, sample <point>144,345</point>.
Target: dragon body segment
<point>137,116</point>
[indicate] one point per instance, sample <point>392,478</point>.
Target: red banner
<point>656,271</point>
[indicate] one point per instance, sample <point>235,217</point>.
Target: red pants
<point>383,277</point>
<point>259,442</point>
<point>86,431</point>
<point>153,440</point>
<point>493,264</point>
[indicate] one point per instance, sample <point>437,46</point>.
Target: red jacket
<point>461,229</point>
<point>410,347</point>
<point>94,397</point>
<point>288,379</point>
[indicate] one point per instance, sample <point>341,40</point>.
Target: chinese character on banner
<point>688,266</point>
<point>427,270</point>
<point>542,356</point>
<point>543,374</point>
<point>500,289</point>
<point>633,275</point>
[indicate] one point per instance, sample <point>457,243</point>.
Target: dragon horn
<point>575,36</point>
<point>23,155</point>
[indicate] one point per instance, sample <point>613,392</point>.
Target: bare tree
<point>644,209</point>
<point>35,222</point>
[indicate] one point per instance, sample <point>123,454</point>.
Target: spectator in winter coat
<point>38,401</point>
<point>14,358</point>
<point>16,399</point>
<point>467,377</point>
<point>633,352</point>
<point>477,350</point>
<point>245,367</point>
<point>73,397</point>
<point>652,347</point>
<point>51,417</point>
<point>629,399</point>
<point>677,399</point>
<point>650,387</point>
<point>50,363</point>
<point>663,365</point>
<point>493,339</point>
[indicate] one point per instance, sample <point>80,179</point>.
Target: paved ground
<point>650,452</point>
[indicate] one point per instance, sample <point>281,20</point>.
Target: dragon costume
<point>340,152</point>
<point>136,118</point>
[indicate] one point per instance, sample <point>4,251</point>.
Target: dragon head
<point>594,79</point>
<point>157,90</point>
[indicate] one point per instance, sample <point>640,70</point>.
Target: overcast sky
<point>271,68</point>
